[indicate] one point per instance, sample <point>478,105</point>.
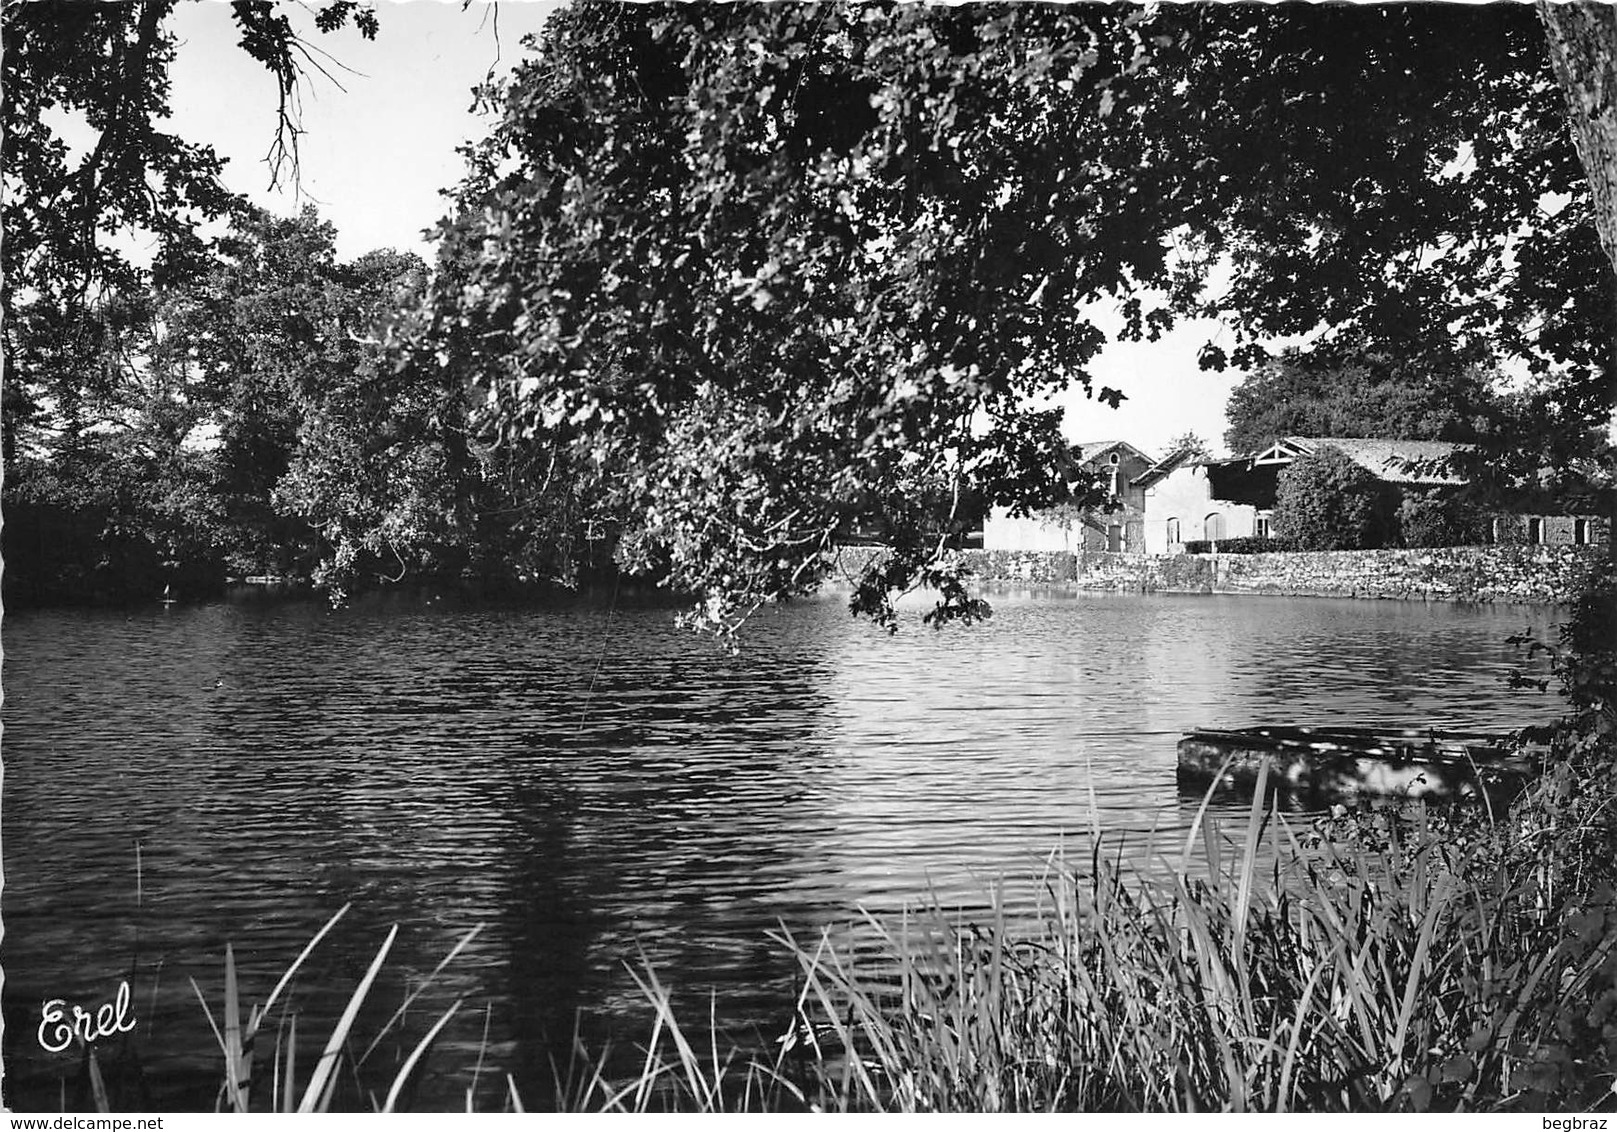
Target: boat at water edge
<point>1349,762</point>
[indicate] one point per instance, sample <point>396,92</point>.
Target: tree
<point>761,322</point>
<point>1326,501</point>
<point>105,496</point>
<point>1191,443</point>
<point>758,268</point>
<point>1385,209</point>
<point>67,217</point>
<point>329,458</point>
<point>1364,395</point>
<point>377,463</point>
<point>275,355</point>
<point>107,64</point>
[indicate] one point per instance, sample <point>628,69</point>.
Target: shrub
<point>1439,518</point>
<point>1325,501</point>
<point>1246,544</point>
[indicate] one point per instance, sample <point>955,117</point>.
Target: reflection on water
<point>595,786</point>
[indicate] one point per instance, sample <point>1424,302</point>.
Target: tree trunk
<point>1583,49</point>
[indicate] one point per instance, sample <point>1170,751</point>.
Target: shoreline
<point>1509,575</point>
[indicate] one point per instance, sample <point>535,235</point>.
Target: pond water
<point>599,789</point>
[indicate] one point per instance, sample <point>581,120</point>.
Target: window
<point>1580,532</point>
<point>1213,526</point>
<point>1114,458</point>
<point>1261,526</point>
<point>1173,532</point>
<point>1535,530</point>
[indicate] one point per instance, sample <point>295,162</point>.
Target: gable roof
<point>1387,460</point>
<point>1089,450</point>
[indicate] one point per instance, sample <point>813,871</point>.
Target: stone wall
<point>1032,567</point>
<point>1527,574</point>
<point>1039,568</point>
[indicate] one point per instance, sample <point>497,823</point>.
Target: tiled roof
<point>1385,459</point>
<point>1092,448</point>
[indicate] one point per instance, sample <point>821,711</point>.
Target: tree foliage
<point>766,273</point>
<point>729,284</point>
<point>93,395</point>
<point>1367,395</point>
<point>285,344</point>
<point>1326,501</point>
<point>67,214</point>
<point>241,420</point>
<point>762,271</point>
<point>1378,165</point>
<point>104,495</point>
<point>1191,443</point>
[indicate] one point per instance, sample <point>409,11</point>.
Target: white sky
<point>376,153</point>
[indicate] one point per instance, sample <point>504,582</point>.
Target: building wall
<point>1001,532</point>
<point>1128,468</point>
<point>1551,530</point>
<point>1184,494</point>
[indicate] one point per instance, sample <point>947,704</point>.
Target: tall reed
<point>239,1036</point>
<point>1412,973</point>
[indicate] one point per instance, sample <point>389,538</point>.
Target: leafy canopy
<point>1366,395</point>
<point>768,271</point>
<point>1191,443</point>
<point>765,272</point>
<point>71,213</point>
<point>105,66</point>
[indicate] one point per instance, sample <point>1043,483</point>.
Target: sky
<point>377,150</point>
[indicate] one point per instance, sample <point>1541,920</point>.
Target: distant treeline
<point>253,417</point>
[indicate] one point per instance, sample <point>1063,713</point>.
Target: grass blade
<point>418,991</point>
<point>415,1056</point>
<point>238,1079</point>
<point>308,948</point>
<point>98,1087</point>
<point>316,1095</point>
